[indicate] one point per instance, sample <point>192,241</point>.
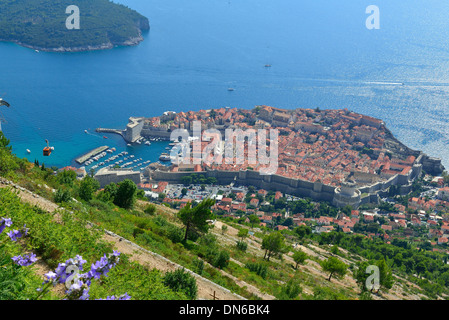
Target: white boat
<point>28,150</point>
<point>148,143</point>
<point>85,131</point>
<point>165,157</point>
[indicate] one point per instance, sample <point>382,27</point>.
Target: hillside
<point>150,236</point>
<point>41,25</point>
<point>311,275</point>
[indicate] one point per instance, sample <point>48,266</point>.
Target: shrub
<point>221,260</point>
<point>62,196</point>
<point>261,269</point>
<point>199,266</point>
<point>290,290</point>
<point>181,280</point>
<point>175,234</point>
<point>242,245</point>
<point>150,209</point>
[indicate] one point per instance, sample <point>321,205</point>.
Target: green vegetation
<point>299,257</point>
<point>335,267</point>
<point>42,24</point>
<point>181,280</point>
<point>273,244</point>
<point>196,218</point>
<point>195,178</point>
<point>185,238</point>
<point>56,240</point>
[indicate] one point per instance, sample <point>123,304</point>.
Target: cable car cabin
<point>47,151</point>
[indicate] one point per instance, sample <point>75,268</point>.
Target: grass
<point>57,240</point>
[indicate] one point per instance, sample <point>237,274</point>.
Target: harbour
<point>91,154</point>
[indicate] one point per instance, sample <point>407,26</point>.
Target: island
<point>41,25</point>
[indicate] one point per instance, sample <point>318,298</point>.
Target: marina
<point>91,154</point>
<point>134,156</point>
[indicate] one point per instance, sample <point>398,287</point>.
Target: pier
<point>91,154</point>
<point>105,130</point>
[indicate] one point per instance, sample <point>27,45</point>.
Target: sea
<point>321,54</point>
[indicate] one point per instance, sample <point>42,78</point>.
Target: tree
<point>243,233</point>
<point>272,243</point>
<point>303,231</point>
<point>186,180</point>
<point>386,276</point>
<point>88,186</point>
<point>288,222</point>
<point>299,257</point>
<point>109,192</point>
<point>362,273</point>
<point>196,218</point>
<point>66,177</point>
<point>420,268</point>
<point>253,219</point>
<point>4,142</point>
<point>184,191</point>
<point>335,267</point>
<point>126,194</point>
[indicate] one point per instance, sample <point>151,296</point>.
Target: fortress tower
<point>347,194</point>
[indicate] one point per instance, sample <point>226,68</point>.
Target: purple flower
<point>61,273</point>
<point>103,266</point>
<point>26,260</point>
<point>85,295</point>
<point>125,297</point>
<point>5,222</point>
<point>14,235</point>
<point>122,297</point>
<point>51,276</point>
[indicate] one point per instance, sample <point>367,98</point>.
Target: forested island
<point>41,25</point>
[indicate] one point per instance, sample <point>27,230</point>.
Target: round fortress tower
<point>347,194</point>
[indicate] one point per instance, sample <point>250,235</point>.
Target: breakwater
<point>91,154</point>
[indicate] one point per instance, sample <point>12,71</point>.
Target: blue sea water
<point>321,53</point>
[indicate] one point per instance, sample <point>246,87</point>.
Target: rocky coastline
<point>141,25</point>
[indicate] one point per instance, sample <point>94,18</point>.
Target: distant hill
<point>41,24</point>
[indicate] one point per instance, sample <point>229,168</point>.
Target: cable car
<point>47,150</point>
